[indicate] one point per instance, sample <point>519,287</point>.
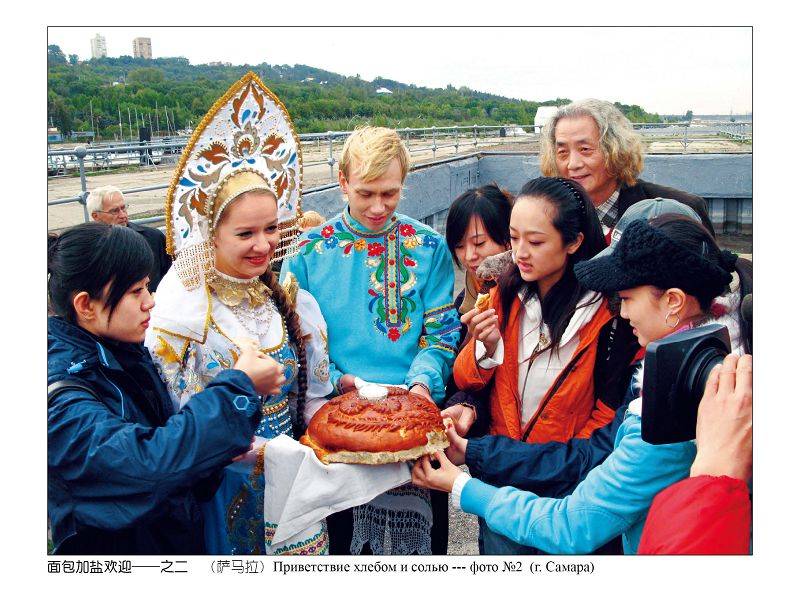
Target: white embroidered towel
<point>300,490</point>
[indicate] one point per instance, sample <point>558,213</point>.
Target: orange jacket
<point>568,410</point>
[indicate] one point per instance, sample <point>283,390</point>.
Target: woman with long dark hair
<point>543,348</point>
<point>116,485</point>
<point>670,276</point>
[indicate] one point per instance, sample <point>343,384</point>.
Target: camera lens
<point>676,369</point>
<point>700,369</point>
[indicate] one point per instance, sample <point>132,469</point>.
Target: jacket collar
<point>357,227</point>
<point>73,349</point>
<point>586,309</point>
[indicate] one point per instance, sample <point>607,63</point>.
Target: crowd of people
<point>174,360</point>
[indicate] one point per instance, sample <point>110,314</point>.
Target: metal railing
<point>322,148</point>
<point>429,139</point>
<point>107,156</point>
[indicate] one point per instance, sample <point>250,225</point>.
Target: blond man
<point>384,283</point>
<point>594,144</point>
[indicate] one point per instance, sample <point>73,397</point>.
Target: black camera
<point>675,373</point>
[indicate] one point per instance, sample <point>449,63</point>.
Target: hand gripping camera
<point>676,369</point>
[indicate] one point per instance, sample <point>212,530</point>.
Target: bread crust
<point>482,302</point>
<point>351,429</point>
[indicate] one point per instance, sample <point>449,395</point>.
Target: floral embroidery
<point>407,230</point>
<point>322,370</point>
<point>245,148</point>
<point>330,237</point>
<point>375,249</point>
<point>441,329</point>
<point>392,297</point>
<point>392,287</point>
<point>411,242</point>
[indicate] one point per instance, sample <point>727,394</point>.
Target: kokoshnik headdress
<point>245,142</point>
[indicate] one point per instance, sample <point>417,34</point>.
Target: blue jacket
<point>124,469</point>
<point>552,469</point>
<point>613,499</point>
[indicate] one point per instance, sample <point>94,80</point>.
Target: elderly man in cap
<point>591,142</point>
<point>107,205</point>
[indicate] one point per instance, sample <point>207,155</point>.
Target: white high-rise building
<point>142,48</point>
<point>98,46</point>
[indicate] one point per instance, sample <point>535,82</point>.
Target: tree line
<point>170,93</point>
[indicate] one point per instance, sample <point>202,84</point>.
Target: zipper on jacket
<point>559,381</point>
<point>121,398</point>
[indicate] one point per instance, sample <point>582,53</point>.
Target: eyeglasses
<point>115,211</point>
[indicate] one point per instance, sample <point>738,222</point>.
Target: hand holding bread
<point>483,302</point>
<point>483,326</point>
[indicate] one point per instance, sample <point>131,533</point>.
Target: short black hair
<point>90,256</point>
<point>490,204</point>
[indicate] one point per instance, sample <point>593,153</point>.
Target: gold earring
<point>666,320</point>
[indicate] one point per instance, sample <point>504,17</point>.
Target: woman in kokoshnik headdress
<point>231,209</point>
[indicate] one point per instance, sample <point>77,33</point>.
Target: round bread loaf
<point>354,429</point>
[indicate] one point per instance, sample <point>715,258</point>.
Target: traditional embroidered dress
<point>246,142</point>
<point>193,348</point>
<point>387,297</point>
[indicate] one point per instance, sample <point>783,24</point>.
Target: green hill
<point>318,100</point>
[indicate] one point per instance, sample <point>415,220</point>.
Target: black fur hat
<point>645,255</point>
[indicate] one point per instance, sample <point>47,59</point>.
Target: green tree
<point>148,77</point>
<point>61,116</point>
<point>73,59</point>
<point>55,56</point>
<point>329,102</point>
<point>688,116</point>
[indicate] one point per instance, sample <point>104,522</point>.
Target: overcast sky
<point>665,70</point>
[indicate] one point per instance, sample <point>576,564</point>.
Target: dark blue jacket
<point>125,471</point>
<point>552,469</point>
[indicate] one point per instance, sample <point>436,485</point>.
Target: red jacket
<point>699,515</point>
<point>570,408</point>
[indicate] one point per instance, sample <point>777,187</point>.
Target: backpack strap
<point>68,385</point>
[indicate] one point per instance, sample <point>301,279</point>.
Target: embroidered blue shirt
<point>386,297</point>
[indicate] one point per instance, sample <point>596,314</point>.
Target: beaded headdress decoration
<point>245,142</point>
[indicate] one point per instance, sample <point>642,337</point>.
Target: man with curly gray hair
<point>594,144</point>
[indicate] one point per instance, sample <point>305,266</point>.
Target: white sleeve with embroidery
<point>317,363</point>
<point>179,369</point>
